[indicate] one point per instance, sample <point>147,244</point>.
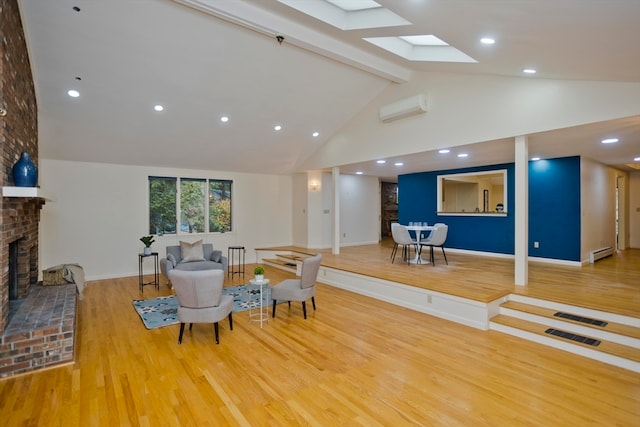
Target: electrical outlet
<point>536,244</point>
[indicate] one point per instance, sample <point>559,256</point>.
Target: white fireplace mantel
<point>24,192</point>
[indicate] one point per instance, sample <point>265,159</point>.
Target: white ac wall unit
<point>404,108</point>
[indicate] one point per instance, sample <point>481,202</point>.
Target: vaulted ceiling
<point>204,59</point>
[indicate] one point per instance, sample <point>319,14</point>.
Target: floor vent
<point>573,337</point>
<point>580,319</point>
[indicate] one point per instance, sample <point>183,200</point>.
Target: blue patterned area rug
<point>163,311</point>
<point>157,312</point>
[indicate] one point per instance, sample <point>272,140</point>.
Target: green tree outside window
<point>162,205</point>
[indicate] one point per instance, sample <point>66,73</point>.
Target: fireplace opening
<point>13,271</point>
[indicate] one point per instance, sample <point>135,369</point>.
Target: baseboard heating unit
<point>599,254</point>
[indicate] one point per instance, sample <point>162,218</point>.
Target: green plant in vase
<point>258,271</point>
<point>147,240</point>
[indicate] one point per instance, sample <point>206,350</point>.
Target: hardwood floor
<point>354,361</point>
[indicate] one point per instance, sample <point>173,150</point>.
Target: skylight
<point>426,40</point>
<point>354,5</point>
<point>348,14</point>
<point>421,48</point>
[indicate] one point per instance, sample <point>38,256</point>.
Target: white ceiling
<point>202,59</point>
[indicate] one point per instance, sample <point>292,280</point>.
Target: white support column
<point>521,211</point>
<point>335,175</point>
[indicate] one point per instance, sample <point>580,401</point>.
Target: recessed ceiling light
<point>73,93</point>
<point>277,127</point>
<point>609,140</point>
<point>529,71</point>
<point>487,40</point>
<point>224,119</point>
<point>463,155</point>
<point>398,164</point>
<point>444,151</point>
<point>535,159</point>
<point>359,173</point>
<point>636,159</point>
<point>315,134</point>
<point>158,107</point>
<point>381,162</point>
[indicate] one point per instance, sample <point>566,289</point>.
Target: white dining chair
<point>401,237</point>
<point>436,239</point>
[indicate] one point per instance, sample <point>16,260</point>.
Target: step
<point>588,312</point>
<point>281,264</point>
<point>609,352</point>
<point>587,325</point>
<point>294,258</point>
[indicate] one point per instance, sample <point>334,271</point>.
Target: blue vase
<point>25,172</point>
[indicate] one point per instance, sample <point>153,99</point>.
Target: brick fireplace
<point>18,133</point>
<point>40,331</point>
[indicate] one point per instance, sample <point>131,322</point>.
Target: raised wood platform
<point>478,291</point>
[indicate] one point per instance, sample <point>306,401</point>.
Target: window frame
<point>178,202</point>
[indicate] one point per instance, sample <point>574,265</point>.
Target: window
<point>219,206</point>
<point>192,205</point>
<point>182,201</point>
<point>162,205</point>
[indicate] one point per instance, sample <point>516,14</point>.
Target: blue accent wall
<point>554,210</point>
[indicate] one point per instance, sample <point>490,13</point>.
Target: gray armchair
<point>200,298</point>
<point>300,289</point>
<point>206,259</point>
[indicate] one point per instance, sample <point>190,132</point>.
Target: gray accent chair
<point>200,298</point>
<point>213,260</point>
<point>300,289</point>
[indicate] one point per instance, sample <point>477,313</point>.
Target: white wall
<point>359,210</point>
<point>100,211</point>
<point>634,209</point>
<point>299,211</point>
<point>467,109</point>
<point>598,206</point>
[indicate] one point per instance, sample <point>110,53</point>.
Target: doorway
<point>389,208</point>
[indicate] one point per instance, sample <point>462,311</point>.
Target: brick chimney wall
<point>18,133</point>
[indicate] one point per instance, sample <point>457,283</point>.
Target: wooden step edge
<point>281,265</point>
<point>294,257</point>
<point>608,347</point>
<point>291,249</point>
<point>611,327</point>
<point>278,261</point>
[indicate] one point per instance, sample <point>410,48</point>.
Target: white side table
<point>260,314</point>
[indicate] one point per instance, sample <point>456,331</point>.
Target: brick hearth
<point>41,332</point>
